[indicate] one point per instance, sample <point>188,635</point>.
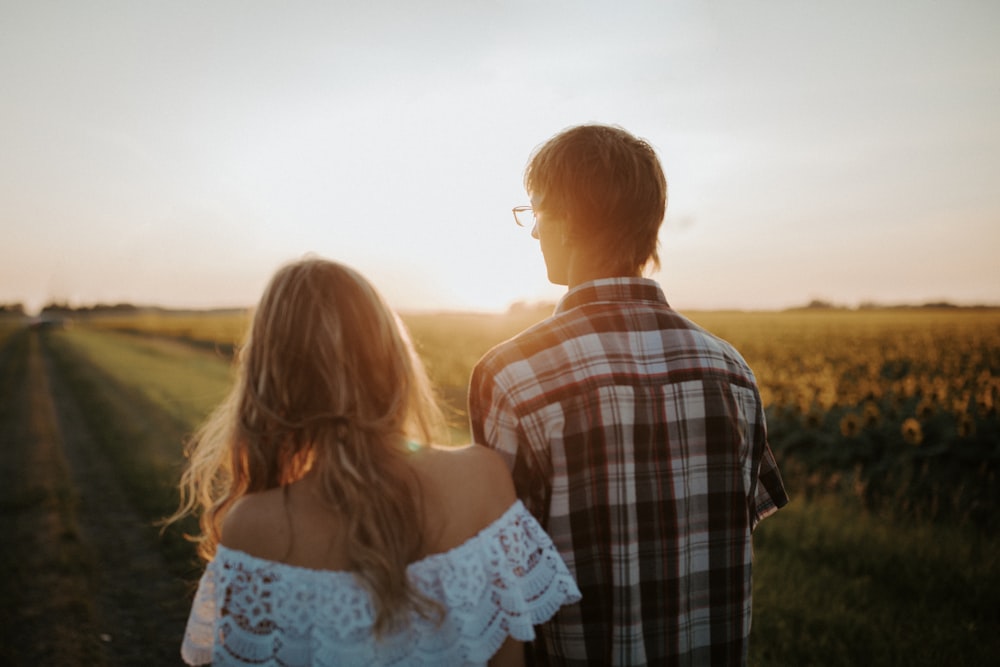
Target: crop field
<point>8,325</point>
<point>885,424</point>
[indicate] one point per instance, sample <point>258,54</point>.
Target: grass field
<point>889,552</point>
<point>9,325</point>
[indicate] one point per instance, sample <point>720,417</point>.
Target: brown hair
<point>609,185</point>
<point>327,379</point>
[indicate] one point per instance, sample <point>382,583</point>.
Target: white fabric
<point>500,583</point>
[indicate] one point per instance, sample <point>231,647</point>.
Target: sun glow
<point>182,172</point>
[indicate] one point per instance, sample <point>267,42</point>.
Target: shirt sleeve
<point>491,425</point>
<point>495,424</point>
<point>196,648</point>
<point>771,494</point>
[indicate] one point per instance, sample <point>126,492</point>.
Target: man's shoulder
<point>598,319</point>
<point>523,344</point>
<point>714,346</point>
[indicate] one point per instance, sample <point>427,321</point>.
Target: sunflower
<point>850,425</point>
<point>912,431</point>
<point>966,425</point>
<point>984,402</point>
<point>871,414</point>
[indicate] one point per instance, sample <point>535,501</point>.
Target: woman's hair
<point>609,185</point>
<point>327,379</point>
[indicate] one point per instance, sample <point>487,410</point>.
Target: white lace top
<point>251,611</point>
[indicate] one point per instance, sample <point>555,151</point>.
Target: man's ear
<point>564,230</point>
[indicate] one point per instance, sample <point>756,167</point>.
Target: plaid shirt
<point>638,441</point>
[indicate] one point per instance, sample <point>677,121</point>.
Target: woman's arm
<point>511,654</point>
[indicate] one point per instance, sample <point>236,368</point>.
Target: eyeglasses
<point>524,216</point>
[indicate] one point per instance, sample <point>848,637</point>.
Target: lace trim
<point>500,583</point>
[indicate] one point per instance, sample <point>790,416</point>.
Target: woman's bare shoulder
<point>474,472</point>
<point>256,524</point>
<point>466,488</point>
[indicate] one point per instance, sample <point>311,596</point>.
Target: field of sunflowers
<point>897,407</point>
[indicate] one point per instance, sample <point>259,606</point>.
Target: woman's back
<point>462,490</point>
<point>330,539</point>
<point>280,585</point>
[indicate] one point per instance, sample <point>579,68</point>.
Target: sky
<point>175,153</point>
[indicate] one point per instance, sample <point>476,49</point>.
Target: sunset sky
<point>176,152</point>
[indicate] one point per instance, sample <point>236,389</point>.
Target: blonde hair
<point>327,380</point>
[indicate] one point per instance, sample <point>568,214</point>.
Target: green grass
<point>47,611</point>
<point>223,327</point>
<point>182,380</point>
<point>10,325</point>
<point>450,344</point>
<point>142,398</point>
<point>835,585</point>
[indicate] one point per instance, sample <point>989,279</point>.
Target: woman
<point>335,532</point>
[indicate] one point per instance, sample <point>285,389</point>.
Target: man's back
<point>638,440</point>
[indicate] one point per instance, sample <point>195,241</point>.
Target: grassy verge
<point>142,398</point>
<point>180,379</point>
<point>10,325</point>
<point>450,344</point>
<point>835,585</point>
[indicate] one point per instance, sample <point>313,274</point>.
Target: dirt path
<point>93,576</point>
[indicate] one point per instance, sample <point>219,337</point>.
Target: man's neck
<point>580,272</point>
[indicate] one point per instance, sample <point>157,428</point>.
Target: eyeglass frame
<point>519,210</point>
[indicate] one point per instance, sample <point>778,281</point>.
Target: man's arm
<point>494,424</point>
<point>769,494</point>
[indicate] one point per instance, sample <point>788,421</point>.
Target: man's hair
<point>609,185</point>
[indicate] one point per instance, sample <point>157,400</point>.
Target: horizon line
<point>18,309</point>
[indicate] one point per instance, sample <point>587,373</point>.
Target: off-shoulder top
<point>499,583</point>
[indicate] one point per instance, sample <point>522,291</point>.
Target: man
<point>636,437</point>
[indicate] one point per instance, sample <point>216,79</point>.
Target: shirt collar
<point>612,289</point>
